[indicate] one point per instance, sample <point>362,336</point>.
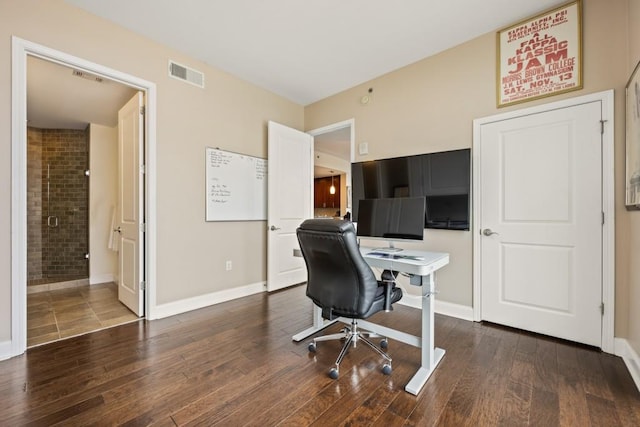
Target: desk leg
<point>318,324</point>
<point>431,356</point>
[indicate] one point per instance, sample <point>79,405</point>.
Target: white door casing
<point>20,50</point>
<point>540,185</point>
<point>130,212</point>
<point>290,201</point>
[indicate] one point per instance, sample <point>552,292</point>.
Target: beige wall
<point>426,107</point>
<point>229,113</point>
<point>430,106</point>
<point>633,251</point>
<point>103,164</point>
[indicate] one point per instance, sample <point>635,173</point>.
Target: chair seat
<point>378,304</point>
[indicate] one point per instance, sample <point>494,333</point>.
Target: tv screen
<point>442,178</point>
<point>448,212</point>
<point>392,219</point>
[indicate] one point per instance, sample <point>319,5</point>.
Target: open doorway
<point>333,154</point>
<point>72,164</point>
<point>22,51</point>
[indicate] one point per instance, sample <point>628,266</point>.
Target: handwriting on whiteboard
<point>236,186</point>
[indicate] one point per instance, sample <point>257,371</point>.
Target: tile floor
<point>36,285</point>
<point>62,313</point>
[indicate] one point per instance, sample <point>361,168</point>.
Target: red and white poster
<point>541,56</point>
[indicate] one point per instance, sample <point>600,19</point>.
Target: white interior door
<point>290,201</point>
<point>541,222</point>
<point>130,211</point>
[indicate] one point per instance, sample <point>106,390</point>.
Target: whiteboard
<point>236,186</point>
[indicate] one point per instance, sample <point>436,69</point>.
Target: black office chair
<point>342,284</point>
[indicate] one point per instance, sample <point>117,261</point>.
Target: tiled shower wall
<point>58,190</point>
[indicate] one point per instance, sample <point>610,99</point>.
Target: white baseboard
<point>630,357</point>
<point>194,303</point>
<point>101,278</point>
<point>442,307</point>
<point>6,350</point>
<point>458,311</point>
<point>411,300</point>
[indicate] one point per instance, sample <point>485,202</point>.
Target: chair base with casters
<point>352,335</point>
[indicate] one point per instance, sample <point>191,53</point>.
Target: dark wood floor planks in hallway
<point>235,364</point>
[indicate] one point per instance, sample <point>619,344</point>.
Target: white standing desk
<point>421,267</point>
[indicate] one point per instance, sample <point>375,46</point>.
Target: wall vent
<point>186,74</point>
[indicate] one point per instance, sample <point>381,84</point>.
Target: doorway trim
<point>608,203</point>
<point>20,50</point>
<point>351,124</point>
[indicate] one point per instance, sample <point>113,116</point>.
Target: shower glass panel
<point>63,201</point>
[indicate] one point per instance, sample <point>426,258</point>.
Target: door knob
<point>274,228</point>
<point>118,230</point>
<point>488,232</point>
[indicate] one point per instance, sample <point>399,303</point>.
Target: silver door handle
<point>488,232</point>
<point>274,228</point>
<point>52,217</point>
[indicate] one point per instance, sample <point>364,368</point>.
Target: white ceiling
<point>57,99</point>
<point>300,50</point>
<point>308,50</point>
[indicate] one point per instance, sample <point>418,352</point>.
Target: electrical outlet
<point>228,265</point>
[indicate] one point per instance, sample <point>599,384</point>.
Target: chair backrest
<point>340,281</point>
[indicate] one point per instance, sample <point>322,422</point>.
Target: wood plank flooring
<point>234,364</point>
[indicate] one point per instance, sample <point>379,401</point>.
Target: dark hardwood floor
<point>234,364</point>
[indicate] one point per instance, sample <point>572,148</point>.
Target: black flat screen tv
<point>442,179</point>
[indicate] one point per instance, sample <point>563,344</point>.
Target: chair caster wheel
<point>386,369</point>
<point>333,373</point>
<point>311,347</point>
<point>384,343</point>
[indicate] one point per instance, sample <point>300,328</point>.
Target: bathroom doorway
<point>71,192</point>
<point>22,50</point>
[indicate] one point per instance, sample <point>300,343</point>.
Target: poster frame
<point>632,140</point>
<point>554,82</point>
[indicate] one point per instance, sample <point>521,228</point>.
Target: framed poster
<point>632,141</point>
<point>541,56</point>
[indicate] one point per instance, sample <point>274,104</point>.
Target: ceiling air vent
<point>186,74</point>
<point>87,76</point>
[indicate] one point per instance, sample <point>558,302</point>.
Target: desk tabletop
<point>421,263</point>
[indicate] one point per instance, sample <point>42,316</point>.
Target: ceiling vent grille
<point>186,74</point>
<point>87,76</point>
